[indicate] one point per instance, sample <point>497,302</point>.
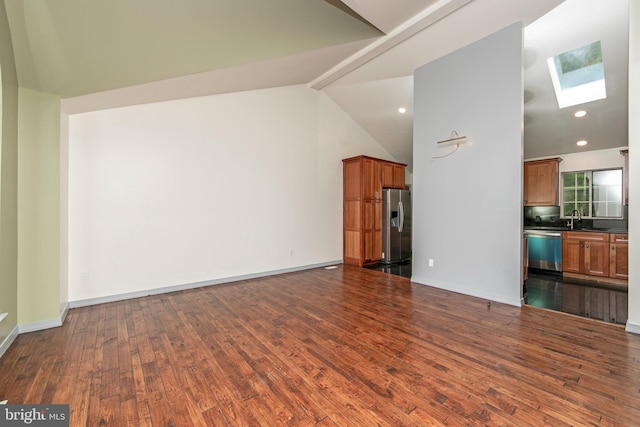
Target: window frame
<point>590,191</point>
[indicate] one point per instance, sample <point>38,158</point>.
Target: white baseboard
<point>633,328</point>
<point>517,302</point>
<point>58,321</point>
<point>45,324</point>
<point>167,289</point>
<point>8,340</point>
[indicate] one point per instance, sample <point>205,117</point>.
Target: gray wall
<point>468,205</point>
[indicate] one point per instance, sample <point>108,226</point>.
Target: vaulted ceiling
<point>362,53</point>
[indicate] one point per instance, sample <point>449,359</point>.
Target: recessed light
<point>580,113</point>
<point>402,110</point>
<point>581,143</point>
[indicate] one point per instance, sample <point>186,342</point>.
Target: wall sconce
<point>454,139</point>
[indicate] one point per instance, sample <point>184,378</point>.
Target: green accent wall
<point>38,206</point>
<point>8,181</point>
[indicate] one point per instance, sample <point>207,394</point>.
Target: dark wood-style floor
<point>331,348</point>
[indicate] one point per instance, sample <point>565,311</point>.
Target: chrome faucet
<point>575,211</point>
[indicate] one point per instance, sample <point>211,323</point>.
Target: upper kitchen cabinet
<point>393,175</point>
<point>372,178</point>
<point>541,182</point>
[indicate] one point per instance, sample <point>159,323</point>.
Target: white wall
<point>208,188</point>
<point>468,206</point>
<point>587,160</point>
<point>633,324</point>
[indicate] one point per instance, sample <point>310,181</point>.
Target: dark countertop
<point>586,229</point>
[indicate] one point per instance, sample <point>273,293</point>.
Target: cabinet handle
<point>587,246</point>
<point>581,245</point>
<point>613,248</point>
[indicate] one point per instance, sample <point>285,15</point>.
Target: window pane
<point>582,195</point>
<point>583,208</point>
<point>607,193</point>
<point>569,196</point>
<point>567,208</point>
<point>568,180</point>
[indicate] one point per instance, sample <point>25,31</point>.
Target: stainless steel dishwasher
<point>545,249</point>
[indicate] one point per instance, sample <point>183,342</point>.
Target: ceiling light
<point>580,113</point>
<point>581,143</point>
<point>402,110</point>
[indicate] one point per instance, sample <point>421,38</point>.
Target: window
<point>578,75</point>
<point>595,194</point>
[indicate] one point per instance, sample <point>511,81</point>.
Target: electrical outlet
<point>430,262</point>
<point>85,275</point>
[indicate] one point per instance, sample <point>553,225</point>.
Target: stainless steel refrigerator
<point>396,225</point>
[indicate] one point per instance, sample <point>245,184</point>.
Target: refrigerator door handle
<point>401,215</point>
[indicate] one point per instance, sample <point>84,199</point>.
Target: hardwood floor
<point>322,347</point>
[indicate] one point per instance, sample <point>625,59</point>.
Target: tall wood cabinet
<point>541,182</point>
<point>363,180</point>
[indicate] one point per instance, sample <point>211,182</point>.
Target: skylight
<point>578,75</point>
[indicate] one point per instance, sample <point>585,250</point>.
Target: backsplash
<point>549,216</point>
<point>542,216</point>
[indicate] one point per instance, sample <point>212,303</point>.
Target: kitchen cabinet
<point>585,253</point>
<point>619,256</point>
<point>363,180</point>
<point>393,175</point>
<point>541,182</point>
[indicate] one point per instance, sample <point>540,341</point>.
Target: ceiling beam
<point>408,29</point>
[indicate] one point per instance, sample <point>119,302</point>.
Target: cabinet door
<point>387,175</point>
<point>596,258</point>
<point>398,176</point>
<point>372,171</point>
<point>572,256</point>
<point>541,183</point>
<point>619,260</point>
<point>372,230</point>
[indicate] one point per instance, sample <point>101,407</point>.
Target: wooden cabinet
<point>585,253</point>
<point>393,175</point>
<point>619,256</point>
<point>372,170</point>
<point>363,180</point>
<point>596,254</point>
<point>541,182</point>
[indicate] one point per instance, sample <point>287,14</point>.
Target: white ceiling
<point>98,55</point>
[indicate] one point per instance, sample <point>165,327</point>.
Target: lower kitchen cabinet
<point>602,255</point>
<point>619,256</point>
<point>585,253</point>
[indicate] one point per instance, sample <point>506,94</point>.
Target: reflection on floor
<point>398,269</point>
<point>602,301</point>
